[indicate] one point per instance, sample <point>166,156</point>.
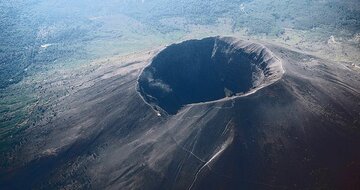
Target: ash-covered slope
<point>300,132</point>
<point>209,69</point>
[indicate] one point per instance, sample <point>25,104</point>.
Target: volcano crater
<point>207,70</point>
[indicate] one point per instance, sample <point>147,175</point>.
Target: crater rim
<point>271,68</point>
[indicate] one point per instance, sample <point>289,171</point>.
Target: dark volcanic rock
<point>205,70</point>
<point>293,130</point>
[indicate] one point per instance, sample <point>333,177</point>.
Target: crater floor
<point>210,69</point>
